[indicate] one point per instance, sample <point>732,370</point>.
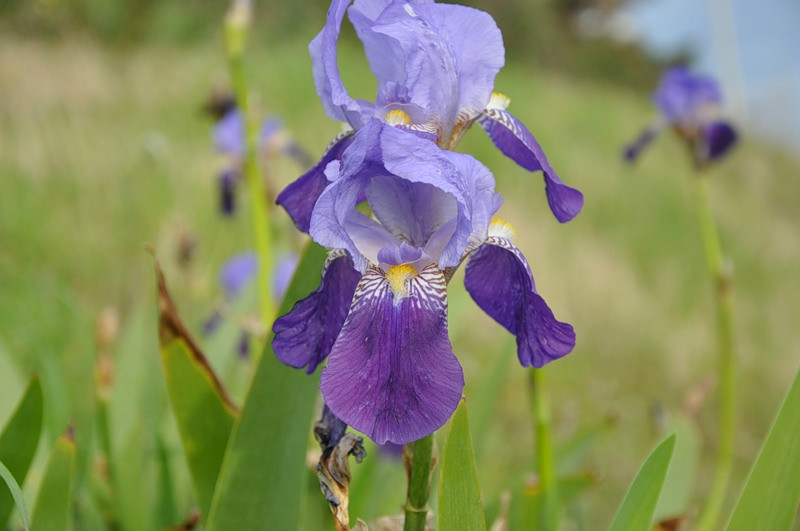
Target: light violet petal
<point>305,335</point>
<point>399,254</point>
<point>335,99</point>
<point>237,272</point>
<point>499,280</point>
<point>392,373</point>
<point>681,95</point>
<point>516,142</point>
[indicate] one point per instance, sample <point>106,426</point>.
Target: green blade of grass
<point>16,494</point>
<point>460,505</point>
<point>636,511</point>
<point>18,442</point>
<point>772,492</point>
<point>261,481</point>
<point>52,509</point>
<point>203,411</point>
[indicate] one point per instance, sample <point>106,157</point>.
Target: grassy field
<point>103,153</point>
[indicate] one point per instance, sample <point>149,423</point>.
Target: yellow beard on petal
<point>502,229</point>
<point>398,117</point>
<point>398,277</point>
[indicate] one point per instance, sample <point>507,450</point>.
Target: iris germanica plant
<point>689,104</point>
<point>435,65</point>
<point>380,311</point>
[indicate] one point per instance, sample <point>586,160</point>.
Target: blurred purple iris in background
<point>229,140</point>
<point>689,103</point>
<point>380,312</point>
<point>235,275</point>
<point>435,65</point>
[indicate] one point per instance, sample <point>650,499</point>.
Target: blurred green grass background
<point>104,151</point>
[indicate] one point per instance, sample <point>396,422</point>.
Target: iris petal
<point>305,335</point>
<point>392,373</point>
<point>337,102</point>
<point>439,58</point>
<point>516,142</point>
<point>499,280</point>
<point>300,196</point>
<point>380,150</point>
<point>718,137</point>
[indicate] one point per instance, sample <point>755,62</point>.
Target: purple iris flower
<point>380,312</point>
<point>435,65</point>
<point>689,103</point>
<point>229,139</point>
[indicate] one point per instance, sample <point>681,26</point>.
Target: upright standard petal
<point>305,335</point>
<point>392,373</point>
<point>516,142</point>
<point>337,102</point>
<point>440,58</point>
<point>500,281</point>
<point>681,95</point>
<point>299,197</point>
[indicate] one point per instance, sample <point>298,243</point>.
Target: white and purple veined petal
<point>418,193</point>
<point>392,373</point>
<point>304,336</point>
<point>500,281</point>
<point>300,196</point>
<point>517,143</point>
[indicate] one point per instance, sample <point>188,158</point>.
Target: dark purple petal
<point>516,142</point>
<point>300,196</point>
<point>305,335</point>
<point>718,138</point>
<point>633,150</point>
<point>392,374</point>
<point>500,281</point>
<point>237,272</point>
<point>227,191</point>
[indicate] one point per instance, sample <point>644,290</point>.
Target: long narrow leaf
<point>52,509</point>
<point>772,492</point>
<point>203,411</point>
<point>18,442</point>
<point>636,511</point>
<point>16,494</point>
<point>261,482</point>
<point>460,505</point>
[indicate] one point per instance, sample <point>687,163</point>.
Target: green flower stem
<point>722,278</point>
<point>236,25</point>
<point>419,485</point>
<point>545,461</point>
